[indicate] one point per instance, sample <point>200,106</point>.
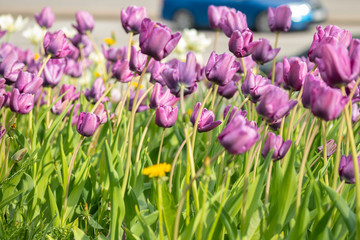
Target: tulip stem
<point>161,143</point>
<point>338,153</point>
<point>216,38</point>
<point>122,102</point>
<point>274,60</point>
<point>161,227</point>
<point>129,46</point>
<point>48,105</point>
<point>267,190</point>
<point>355,162</point>
<point>131,129</point>
<point>243,66</point>
<point>323,128</point>
<point>144,96</point>
<point>43,66</point>
<point>215,89</point>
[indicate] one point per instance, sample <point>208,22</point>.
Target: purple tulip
<point>216,14</point>
<point>96,91</point>
<point>249,64</point>
<point>100,111</point>
<point>311,81</point>
<point>156,39</point>
<point>2,132</point>
<point>355,113</point>
<point>264,52</point>
<point>200,72</point>
<point>87,124</point>
<point>330,34</point>
<point>181,75</point>
<point>3,98</point>
<point>277,143</point>
<point>241,43</point>
<point>229,90</point>
<point>234,111</point>
<point>220,69</point>
<point>10,67</point>
<point>206,121</point>
<point>56,44</point>
<point>21,103</point>
<point>233,21</point>
<point>330,147</point>
<point>85,22</point>
<point>255,86</point>
<point>131,18</point>
<point>327,103</point>
<point>275,104</point>
<point>73,68</point>
<point>53,72</point>
<point>239,135</point>
<point>336,66</point>
<point>143,106</point>
<point>82,42</point>
<point>156,72</point>
<point>166,116</point>
<point>346,169</point>
<point>279,19</point>
<point>294,71</point>
<point>74,52</point>
<point>113,54</point>
<point>59,106</point>
<point>70,94</point>
<point>122,72</point>
<point>45,18</point>
<point>161,97</point>
<point>137,60</point>
<point>28,82</point>
<point>279,76</point>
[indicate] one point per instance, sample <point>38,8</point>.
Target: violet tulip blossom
<point>87,124</point>
<point>84,43</point>
<point>241,43</point>
<point>279,19</point>
<point>100,111</point>
<point>2,132</point>
<point>10,67</point>
<point>346,169</point>
<point>56,44</point>
<point>330,147</point>
<point>161,97</point>
<point>275,104</point>
<point>97,90</point>
<point>234,111</point>
<point>85,22</point>
<point>264,53</point>
<point>294,71</point>
<point>239,135</point>
<point>233,21</point>
<point>279,76</point>
<point>59,106</point>
<point>206,121</point>
<point>277,143</point>
<point>216,14</point>
<point>156,72</point>
<point>70,94</point>
<point>137,60</point>
<point>220,69</point>
<point>28,82</point>
<point>73,68</point>
<point>21,103</point>
<point>45,18</point>
<point>3,98</point>
<point>311,81</point>
<point>181,75</point>
<point>255,86</point>
<point>229,90</point>
<point>166,116</point>
<point>156,39</point>
<point>355,113</point>
<point>131,18</point>
<point>53,72</point>
<point>122,72</point>
<point>114,54</point>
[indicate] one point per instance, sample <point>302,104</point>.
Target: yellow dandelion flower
<point>97,74</point>
<point>109,41</point>
<point>189,112</point>
<point>135,84</point>
<point>36,57</point>
<point>157,170</point>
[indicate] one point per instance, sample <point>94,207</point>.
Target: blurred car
<point>193,13</point>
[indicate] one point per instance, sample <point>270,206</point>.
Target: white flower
<point>69,32</point>
<point>35,34</point>
<point>8,23</point>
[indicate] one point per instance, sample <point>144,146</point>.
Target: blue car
<point>193,13</point>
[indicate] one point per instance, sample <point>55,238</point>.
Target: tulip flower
<point>122,72</point>
<point>131,18</point>
<point>216,14</point>
<point>10,67</point>
<point>181,75</point>
<point>137,60</point>
<point>53,72</point>
<point>100,111</point>
<point>70,94</point>
<point>330,34</point>
<point>45,18</point>
<point>3,98</point>
<point>113,54</point>
<point>355,113</point>
<point>59,106</point>
<point>233,20</point>
<point>229,90</point>
<point>206,121</point>
<point>327,103</point>
<point>279,19</point>
<point>255,86</point>
<point>166,116</point>
<point>142,106</point>
<point>87,124</point>
<point>264,53</point>
<point>21,103</point>
<point>234,111</point>
<point>276,143</point>
<point>73,68</point>
<point>156,72</point>
<point>241,43</point>
<point>161,97</point>
<point>83,42</point>
<point>249,64</point>
<point>28,82</point>
<point>220,69</point>
<point>330,147</point>
<point>275,104</point>
<point>156,39</point>
<point>294,71</point>
<point>336,66</point>
<point>346,169</point>
<point>56,44</point>
<point>239,135</point>
<point>85,22</point>
<point>311,81</point>
<point>96,91</point>
<point>2,132</point>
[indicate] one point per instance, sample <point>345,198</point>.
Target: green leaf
<point>79,234</point>
<point>53,208</point>
<point>227,222</point>
<point>169,210</point>
<point>149,220</point>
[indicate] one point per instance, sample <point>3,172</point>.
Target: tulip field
<point>157,140</point>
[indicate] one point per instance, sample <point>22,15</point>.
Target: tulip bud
<point>45,18</point>
<point>206,121</point>
<point>53,72</point>
<point>294,71</point>
<point>21,103</point>
<point>277,144</point>
<point>87,124</point>
<point>10,67</point>
<point>166,116</point>
<point>122,72</point>
<point>241,43</point>
<point>137,60</point>
<point>85,22</point>
<point>28,83</point>
<point>264,52</point>
<point>330,147</point>
<point>56,44</point>
<point>131,18</point>
<point>160,97</point>
<point>96,91</point>
<point>279,19</point>
<point>255,86</point>
<point>232,21</point>
<point>346,169</point>
<point>216,14</point>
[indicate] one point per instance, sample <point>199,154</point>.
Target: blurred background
<point>344,13</point>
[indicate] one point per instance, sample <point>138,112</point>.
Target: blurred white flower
<point>35,34</point>
<point>7,22</point>
<point>193,41</point>
<point>69,32</point>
